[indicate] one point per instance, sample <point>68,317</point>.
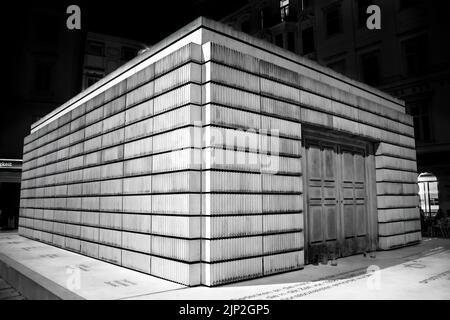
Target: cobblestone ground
<point>9,293</point>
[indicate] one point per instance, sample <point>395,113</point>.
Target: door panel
<point>322,198</point>
<point>359,168</point>
<point>349,225</point>
<point>361,223</point>
<point>353,185</point>
<point>348,169</point>
<point>316,224</point>
<point>329,164</point>
<point>331,218</point>
<point>314,163</point>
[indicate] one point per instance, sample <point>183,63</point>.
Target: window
<point>308,40</point>
<point>92,77</point>
<point>264,17</point>
<point>284,9</point>
<point>419,111</point>
<point>333,20</point>
<point>128,53</point>
<point>279,40</point>
<point>405,4</point>
<point>362,6</point>
<point>338,66</point>
<point>428,193</point>
<point>96,48</point>
<point>245,26</point>
<point>291,41</point>
<point>47,29</point>
<point>305,4</point>
<point>36,117</point>
<point>43,76</point>
<point>415,55</point>
<point>261,18</point>
<point>90,80</point>
<point>370,68</point>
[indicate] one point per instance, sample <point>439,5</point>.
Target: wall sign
<point>10,164</point>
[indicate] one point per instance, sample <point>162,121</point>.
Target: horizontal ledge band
<point>214,238</point>
<point>111,195</point>
<point>260,172</point>
<point>399,234</point>
<point>169,214</point>
<point>396,208</point>
<point>159,256</point>
<point>398,220</point>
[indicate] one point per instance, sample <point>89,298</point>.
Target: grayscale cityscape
<point>206,150</point>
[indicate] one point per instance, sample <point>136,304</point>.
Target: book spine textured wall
<point>114,178</point>
<point>397,196</point>
<point>191,168</point>
<point>252,208</point>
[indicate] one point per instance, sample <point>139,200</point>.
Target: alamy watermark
<point>73,281</point>
<point>73,22</point>
<point>234,149</point>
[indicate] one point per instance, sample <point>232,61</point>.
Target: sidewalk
<point>416,272</point>
<point>47,272</point>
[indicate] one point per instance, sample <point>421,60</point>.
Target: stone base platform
<point>41,271</point>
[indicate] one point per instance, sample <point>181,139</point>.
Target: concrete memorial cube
<point>216,157</point>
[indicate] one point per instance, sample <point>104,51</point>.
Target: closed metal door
<point>337,213</point>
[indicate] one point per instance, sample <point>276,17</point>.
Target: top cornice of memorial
<point>202,22</point>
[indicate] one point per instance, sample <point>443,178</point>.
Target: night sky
<point>151,21</point>
<point>147,21</point>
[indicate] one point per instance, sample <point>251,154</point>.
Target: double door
<point>337,210</point>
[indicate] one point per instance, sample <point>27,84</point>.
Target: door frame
<point>339,138</point>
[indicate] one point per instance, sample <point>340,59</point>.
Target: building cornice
<point>219,28</point>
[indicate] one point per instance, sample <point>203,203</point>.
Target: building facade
<point>407,58</point>
<point>104,54</point>
<point>216,157</point>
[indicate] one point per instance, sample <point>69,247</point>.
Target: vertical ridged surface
<point>191,168</point>
<point>105,170</point>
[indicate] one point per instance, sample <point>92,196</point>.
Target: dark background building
<point>45,61</point>
<point>408,57</point>
<point>46,64</point>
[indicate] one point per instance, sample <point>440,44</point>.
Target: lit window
<point>428,193</point>
<point>284,9</point>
